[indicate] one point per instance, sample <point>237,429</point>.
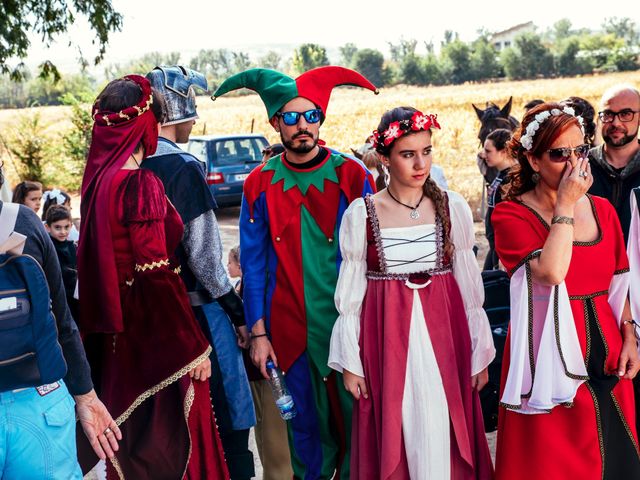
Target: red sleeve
<point>611,226</point>
<point>142,210</point>
<point>515,236</point>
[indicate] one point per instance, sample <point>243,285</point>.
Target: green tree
<point>623,28</point>
<point>561,29</point>
<point>528,58</point>
<point>308,56</point>
<point>270,60</point>
<point>568,60</point>
<point>76,141</point>
<point>48,19</point>
<point>370,63</point>
<point>411,71</point>
<point>431,70</point>
<point>402,49</point>
<point>347,54</point>
<point>459,55</point>
<point>484,60</point>
<point>29,146</point>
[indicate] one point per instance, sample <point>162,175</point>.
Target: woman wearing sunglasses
<point>567,399</point>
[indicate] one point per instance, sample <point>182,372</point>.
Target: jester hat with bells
<point>276,89</point>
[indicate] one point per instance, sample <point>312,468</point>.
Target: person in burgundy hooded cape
<point>291,211</point>
<point>412,339</point>
<point>148,356</point>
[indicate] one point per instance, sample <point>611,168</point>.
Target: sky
<point>255,25</point>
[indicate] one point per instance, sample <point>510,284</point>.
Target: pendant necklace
<point>414,215</point>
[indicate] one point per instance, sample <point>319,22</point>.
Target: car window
<point>238,150</point>
<point>198,150</point>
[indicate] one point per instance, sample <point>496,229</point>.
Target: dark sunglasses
<point>625,115</point>
<point>292,118</point>
<point>563,154</point>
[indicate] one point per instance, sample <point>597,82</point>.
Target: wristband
<point>258,336</point>
<point>562,219</point>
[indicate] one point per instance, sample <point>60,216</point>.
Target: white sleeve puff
<point>344,351</point>
<point>467,274</point>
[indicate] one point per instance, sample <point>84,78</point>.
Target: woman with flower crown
<point>412,339</point>
<point>567,404</point>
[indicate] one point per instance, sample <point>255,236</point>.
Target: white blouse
<point>344,353</point>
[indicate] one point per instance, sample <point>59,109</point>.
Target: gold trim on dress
<point>155,389</point>
<point>151,266</point>
<point>188,403</point>
<point>117,467</point>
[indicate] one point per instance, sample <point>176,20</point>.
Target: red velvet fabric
<point>111,147</point>
<point>160,338</point>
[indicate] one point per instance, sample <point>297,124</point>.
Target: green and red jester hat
<point>289,221</point>
<point>276,88</point>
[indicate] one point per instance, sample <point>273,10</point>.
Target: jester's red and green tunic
<point>290,261</point>
<point>290,256</point>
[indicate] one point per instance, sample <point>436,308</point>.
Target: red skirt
<point>377,450</point>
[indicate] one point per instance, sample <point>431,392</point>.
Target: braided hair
<point>430,188</point>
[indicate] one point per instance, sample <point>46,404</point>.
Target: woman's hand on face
<point>202,371</point>
<point>572,185</point>
<point>479,380</point>
<point>354,384</point>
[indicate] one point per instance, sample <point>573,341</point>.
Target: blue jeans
<point>38,434</point>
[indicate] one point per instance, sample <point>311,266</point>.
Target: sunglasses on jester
<point>292,118</point>
<point>563,154</point>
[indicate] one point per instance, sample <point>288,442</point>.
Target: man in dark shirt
<point>615,165</point>
<point>202,269</point>
<point>99,427</point>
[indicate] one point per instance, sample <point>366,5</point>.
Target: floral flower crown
<point>418,122</point>
<point>526,140</point>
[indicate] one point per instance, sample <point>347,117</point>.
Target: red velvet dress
<point>141,374</point>
<point>595,437</point>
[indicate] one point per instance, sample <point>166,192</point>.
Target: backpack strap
<point>10,240</point>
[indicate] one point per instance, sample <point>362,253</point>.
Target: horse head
<point>494,117</point>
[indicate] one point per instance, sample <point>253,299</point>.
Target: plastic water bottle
<point>284,400</point>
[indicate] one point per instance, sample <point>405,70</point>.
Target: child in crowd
<point>270,429</point>
<point>233,267</point>
<point>58,225</point>
<point>29,194</point>
<point>59,197</point>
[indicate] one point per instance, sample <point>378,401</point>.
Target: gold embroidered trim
<point>588,296</point>
<point>188,403</point>
<point>622,270</point>
<point>575,243</point>
<point>151,266</point>
<point>508,406</point>
<point>598,424</point>
<point>177,270</point>
<point>129,282</point>
<point>117,467</point>
<point>168,381</point>
<point>624,422</point>
<point>556,322</point>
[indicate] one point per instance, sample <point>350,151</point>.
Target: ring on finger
<point>107,430</point>
<point>583,174</point>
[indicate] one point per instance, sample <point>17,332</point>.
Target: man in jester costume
<point>291,212</point>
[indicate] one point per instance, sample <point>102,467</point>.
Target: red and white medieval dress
<point>411,323</point>
<point>564,412</point>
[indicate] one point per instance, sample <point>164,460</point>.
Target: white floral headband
<point>527,139</point>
